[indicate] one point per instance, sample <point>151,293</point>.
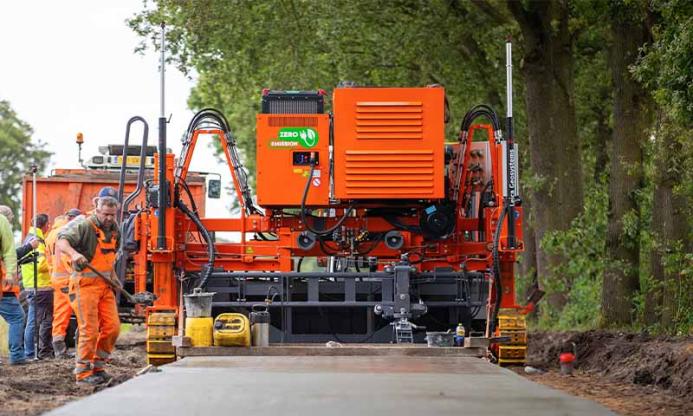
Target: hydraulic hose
<point>208,238</point>
<point>303,207</point>
<point>210,117</point>
<point>481,110</point>
<point>186,188</point>
<point>496,269</point>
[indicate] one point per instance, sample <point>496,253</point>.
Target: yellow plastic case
<point>232,330</point>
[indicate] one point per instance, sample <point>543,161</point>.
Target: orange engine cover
<point>389,143</point>
<point>284,145</point>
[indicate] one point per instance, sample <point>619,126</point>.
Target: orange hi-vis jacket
<point>57,263</point>
<point>105,253</point>
<point>95,306</point>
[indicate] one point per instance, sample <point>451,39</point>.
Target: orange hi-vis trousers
<point>97,316</point>
<point>95,306</point>
<point>59,265</point>
<point>62,310</point>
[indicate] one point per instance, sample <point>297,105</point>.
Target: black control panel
<point>303,158</point>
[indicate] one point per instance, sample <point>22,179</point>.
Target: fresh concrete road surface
<point>355,386</point>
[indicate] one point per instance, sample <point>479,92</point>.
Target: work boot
<point>104,376</point>
<point>60,350</point>
<point>91,381</point>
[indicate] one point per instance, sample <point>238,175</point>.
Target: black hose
<point>210,117</point>
<point>487,112</point>
<point>392,220</point>
<point>125,203</point>
<point>496,269</point>
<point>482,236</point>
<point>303,208</point>
<point>210,244</point>
<point>481,110</point>
<point>190,197</point>
<point>374,243</point>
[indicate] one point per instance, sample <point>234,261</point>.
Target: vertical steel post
<point>34,210</point>
<point>511,162</point>
<point>163,188</point>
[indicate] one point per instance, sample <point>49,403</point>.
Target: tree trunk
<point>669,225</point>
<point>631,121</point>
<point>528,259</point>
<point>601,148</point>
<point>551,120</point>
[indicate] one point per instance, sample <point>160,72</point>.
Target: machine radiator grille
<point>389,172</point>
<point>395,120</point>
<point>293,107</point>
<point>389,143</point>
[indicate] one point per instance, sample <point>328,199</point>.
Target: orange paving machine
<point>367,227</point>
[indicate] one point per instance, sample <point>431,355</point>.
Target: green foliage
<point>17,154</point>
<point>583,247</point>
<point>239,47</point>
<point>679,261</point>
<point>593,102</point>
<point>667,68</point>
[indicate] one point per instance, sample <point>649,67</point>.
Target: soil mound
<point>37,387</point>
<point>664,362</point>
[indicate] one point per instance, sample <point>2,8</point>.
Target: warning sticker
<point>316,181</point>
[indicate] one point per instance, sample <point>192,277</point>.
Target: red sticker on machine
<point>316,181</point>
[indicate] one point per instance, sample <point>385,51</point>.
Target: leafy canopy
<point>17,154</point>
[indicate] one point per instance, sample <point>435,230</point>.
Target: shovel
<point>143,298</point>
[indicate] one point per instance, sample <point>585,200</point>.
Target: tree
<point>631,125</point>
<point>548,66</point>
<point>579,122</point>
<point>239,47</point>
<point>17,154</point>
<point>668,301</point>
<point>666,70</point>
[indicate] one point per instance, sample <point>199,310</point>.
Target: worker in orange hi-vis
<point>93,240</point>
<point>60,276</point>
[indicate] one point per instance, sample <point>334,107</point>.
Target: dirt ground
<point>631,374</point>
<point>44,385</point>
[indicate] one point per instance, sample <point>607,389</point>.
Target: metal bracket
<point>404,331</point>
